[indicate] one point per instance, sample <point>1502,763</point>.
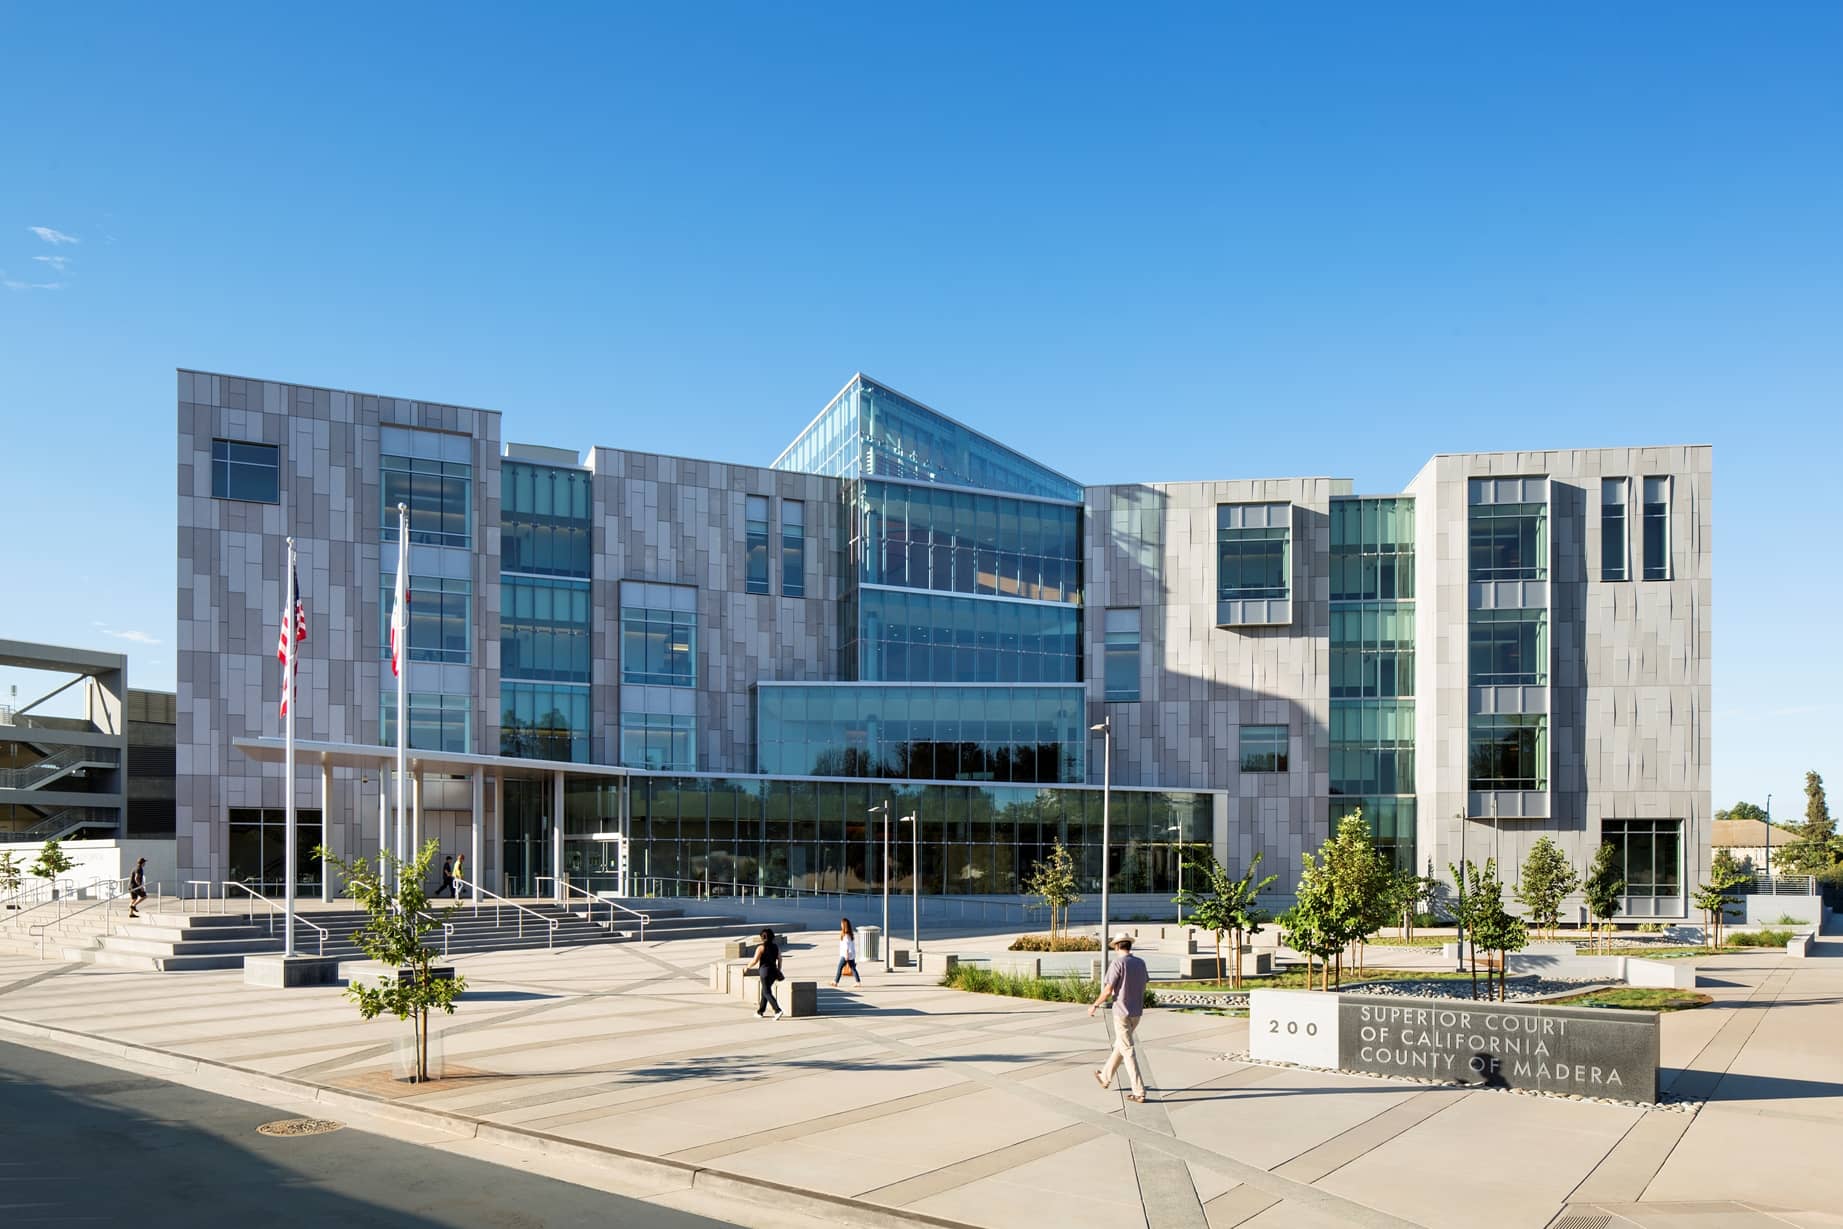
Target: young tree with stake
<point>1225,904</point>
<point>397,921</point>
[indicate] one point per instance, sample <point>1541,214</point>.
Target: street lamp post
<point>883,809</point>
<point>1462,874</point>
<point>914,822</point>
<point>1105,730</point>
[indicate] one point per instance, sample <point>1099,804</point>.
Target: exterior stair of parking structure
<point>178,942</point>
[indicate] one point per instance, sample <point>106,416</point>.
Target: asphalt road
<point>83,1144</point>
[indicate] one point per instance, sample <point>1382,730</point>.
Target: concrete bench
<point>1253,964</point>
<point>1799,946</point>
<point>737,979</point>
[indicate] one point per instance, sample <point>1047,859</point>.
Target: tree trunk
<point>1235,955</point>
<point>1339,975</point>
<point>1471,948</point>
<point>1218,957</point>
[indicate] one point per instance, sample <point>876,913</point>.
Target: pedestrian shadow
<point>505,996</point>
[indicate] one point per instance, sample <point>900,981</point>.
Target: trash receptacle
<point>870,943</point>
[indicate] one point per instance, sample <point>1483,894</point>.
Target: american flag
<point>295,622</point>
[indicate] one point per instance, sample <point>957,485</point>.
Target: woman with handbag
<point>847,953</point>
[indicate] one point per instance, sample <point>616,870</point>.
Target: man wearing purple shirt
<point>1126,980</point>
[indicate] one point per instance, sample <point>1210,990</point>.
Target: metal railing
<point>41,771</point>
<point>595,900</point>
<point>59,823</point>
<point>61,895</point>
<point>322,931</point>
<point>1783,885</point>
<point>116,891</point>
<point>712,889</point>
<point>501,904</point>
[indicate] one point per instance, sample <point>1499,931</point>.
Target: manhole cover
<point>299,1126</point>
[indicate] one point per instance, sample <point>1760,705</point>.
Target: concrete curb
<point>654,1174</point>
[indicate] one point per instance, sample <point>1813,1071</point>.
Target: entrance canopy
<point>460,764</point>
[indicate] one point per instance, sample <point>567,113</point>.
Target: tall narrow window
<point>1122,671</point>
<point>1657,529</point>
<point>439,495</point>
<point>757,555</point>
<point>659,634</point>
<point>1612,529</point>
<point>793,548</point>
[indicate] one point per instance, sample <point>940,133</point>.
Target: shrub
<point>1786,919</point>
<point>1760,938</point>
<point>1055,943</point>
<point>1651,928</point>
<point>1045,989</point>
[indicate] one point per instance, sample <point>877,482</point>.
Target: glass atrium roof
<point>872,431</point>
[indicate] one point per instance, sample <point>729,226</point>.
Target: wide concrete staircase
<point>174,943</point>
<point>170,940</point>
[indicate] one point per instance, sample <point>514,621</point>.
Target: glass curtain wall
<point>1372,668</point>
<point>441,612</point>
<point>437,722</point>
<point>688,832</point>
<point>1509,542</point>
<point>925,637</point>
<point>547,545</point>
<point>921,732</point>
<point>921,537</point>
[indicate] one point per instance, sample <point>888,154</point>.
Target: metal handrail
<point>498,910</point>
<point>761,892</point>
<point>61,894</point>
<point>107,902</point>
<point>447,927</point>
<point>51,765</point>
<point>595,900</point>
<point>322,931</point>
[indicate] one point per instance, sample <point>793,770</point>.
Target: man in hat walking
<point>1125,983</point>
<point>137,888</point>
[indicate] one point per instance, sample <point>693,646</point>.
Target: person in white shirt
<point>847,953</point>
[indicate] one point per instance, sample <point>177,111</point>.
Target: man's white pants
<point>1124,1028</point>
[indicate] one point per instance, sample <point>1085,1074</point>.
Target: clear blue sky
<point>1184,245</point>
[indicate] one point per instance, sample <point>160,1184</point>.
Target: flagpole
<point>402,617</point>
<point>291,635</point>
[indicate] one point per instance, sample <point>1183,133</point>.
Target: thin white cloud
<point>13,283</point>
<point>53,236</point>
<point>57,262</point>
<point>136,637</point>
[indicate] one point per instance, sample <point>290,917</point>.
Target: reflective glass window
<point>793,548</point>
<point>1263,748</point>
<point>663,741</point>
<point>437,722</point>
<point>545,518</point>
<point>1509,752</point>
<point>1613,529</point>
<point>659,634</point>
<point>756,554</point>
<point>1649,854</point>
<point>1509,542</point>
<point>545,721</point>
<point>1657,529</point>
<point>544,629</point>
<point>439,495</point>
<point>1023,733</point>
<point>441,617</point>
<point>1122,654</point>
<point>936,638</point>
<point>1372,549</point>
<point>257,848</point>
<point>250,472</point>
<point>1253,551</point>
<point>1509,647</point>
<point>916,537</point>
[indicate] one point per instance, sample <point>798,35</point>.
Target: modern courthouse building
<point>650,672</point>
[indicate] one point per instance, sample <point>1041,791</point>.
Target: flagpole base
<point>287,972</point>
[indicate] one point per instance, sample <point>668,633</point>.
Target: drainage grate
<point>1582,1220</point>
<point>299,1126</point>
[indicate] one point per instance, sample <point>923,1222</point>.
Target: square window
<point>247,472</point>
<point>1263,748</point>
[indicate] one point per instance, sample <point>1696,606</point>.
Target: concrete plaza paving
<point>907,1099</point>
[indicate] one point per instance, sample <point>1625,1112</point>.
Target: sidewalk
<point>981,1110</point>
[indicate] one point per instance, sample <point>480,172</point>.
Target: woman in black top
<point>767,964</point>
